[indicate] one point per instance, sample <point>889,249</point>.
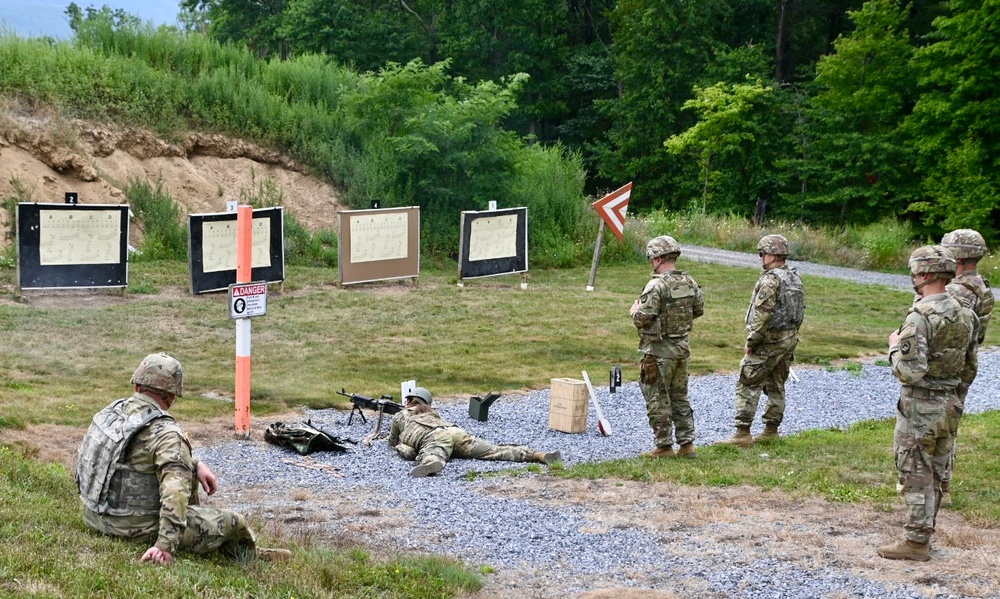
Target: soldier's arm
<point>649,306</point>
<point>909,356</point>
<point>396,429</point>
<point>971,352</point>
<point>764,300</point>
<point>698,309</point>
<point>175,469</point>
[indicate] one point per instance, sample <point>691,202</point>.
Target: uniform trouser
<point>208,529</point>
<point>454,442</point>
<point>922,446</point>
<point>764,371</point>
<point>664,385</point>
<point>955,410</point>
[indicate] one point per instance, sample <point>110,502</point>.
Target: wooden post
<point>597,257</point>
<point>244,264</point>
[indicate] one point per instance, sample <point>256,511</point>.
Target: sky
<point>34,18</point>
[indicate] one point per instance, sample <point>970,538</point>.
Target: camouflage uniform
<point>425,437</point>
<point>972,288</point>
<point>776,311</point>
<point>667,307</point>
<point>935,353</point>
<point>138,479</point>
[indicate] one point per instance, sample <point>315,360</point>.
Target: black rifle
<point>382,405</point>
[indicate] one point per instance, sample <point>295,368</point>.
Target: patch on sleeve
<point>643,298</point>
<point>907,343</point>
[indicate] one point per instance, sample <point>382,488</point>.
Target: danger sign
<point>247,299</point>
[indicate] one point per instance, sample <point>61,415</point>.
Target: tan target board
<point>378,244</point>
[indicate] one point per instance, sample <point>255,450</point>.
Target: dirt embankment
<point>43,156</point>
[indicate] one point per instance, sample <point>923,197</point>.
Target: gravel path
<point>548,544</point>
<point>467,519</point>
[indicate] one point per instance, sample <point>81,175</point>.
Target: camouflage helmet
<point>160,372</point>
<point>774,244</point>
<point>420,394</point>
<point>664,245</point>
<point>933,259</point>
<point>965,243</point>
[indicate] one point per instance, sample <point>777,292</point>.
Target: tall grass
<point>21,193</point>
<point>881,246</point>
<point>164,234</point>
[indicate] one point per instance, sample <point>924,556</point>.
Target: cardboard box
<point>568,405</point>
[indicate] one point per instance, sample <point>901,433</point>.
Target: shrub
<point>164,233</point>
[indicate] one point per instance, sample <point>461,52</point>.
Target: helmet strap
<point>930,278</point>
<point>775,261</point>
<point>163,398</point>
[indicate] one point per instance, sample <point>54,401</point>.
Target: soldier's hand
<point>635,306</point>
<point>157,556</point>
<point>207,478</point>
<point>894,338</point>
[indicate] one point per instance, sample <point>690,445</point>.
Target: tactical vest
<point>977,290</point>
<point>679,294</point>
<point>677,314</point>
<point>790,308</point>
<point>416,427</point>
<point>108,485</point>
<point>948,337</point>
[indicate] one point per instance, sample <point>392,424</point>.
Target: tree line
<point>821,111</point>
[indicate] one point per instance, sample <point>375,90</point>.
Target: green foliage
<point>302,247</point>
<point>407,135</point>
<point>609,78</point>
<point>436,132</point>
<point>955,125</point>
<point>887,243</point>
<point>727,139</point>
<point>164,232</point>
<point>884,245</point>
<point>657,60</point>
<point>549,182</point>
<point>854,166</point>
<point>22,194</point>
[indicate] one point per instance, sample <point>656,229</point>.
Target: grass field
<point>67,355</point>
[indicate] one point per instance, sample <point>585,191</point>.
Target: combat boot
<point>770,432</point>
<point>550,457</point>
<point>911,550</point>
<point>742,438</point>
<point>273,555</point>
<point>686,450</point>
<point>659,452</point>
<point>427,468</point>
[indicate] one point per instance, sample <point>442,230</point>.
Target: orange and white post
<point>244,262</point>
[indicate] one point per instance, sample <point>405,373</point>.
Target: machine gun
<point>382,405</point>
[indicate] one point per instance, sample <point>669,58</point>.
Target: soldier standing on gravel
<point>969,247</point>
<point>777,308</point>
<point>419,433</point>
<point>931,354</point>
<point>138,479</point>
<point>663,314</point>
